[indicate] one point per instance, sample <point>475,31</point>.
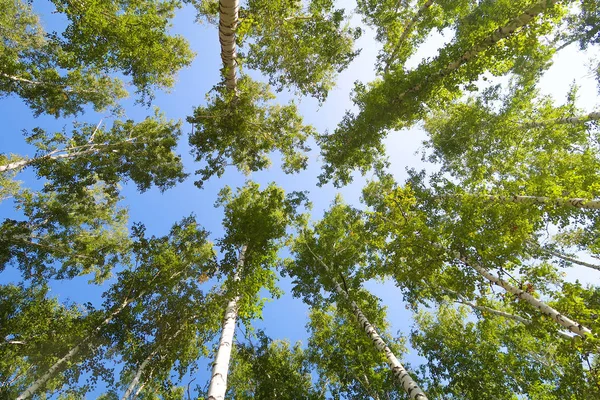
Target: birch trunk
<point>400,373</point>
<point>35,386</point>
<point>571,325</point>
<point>144,364</point>
<point>218,380</point>
<point>488,42</point>
<point>572,260</point>
<point>594,116</point>
<point>228,21</point>
<point>138,375</point>
<point>406,31</point>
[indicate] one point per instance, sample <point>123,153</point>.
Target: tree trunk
<point>228,21</point>
<point>523,295</point>
<point>594,116</point>
<point>138,375</point>
<point>407,29</point>
<point>35,386</point>
<point>401,375</point>
<point>572,259</point>
<point>218,380</point>
<point>488,42</point>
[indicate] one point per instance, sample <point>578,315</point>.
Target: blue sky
<point>286,317</point>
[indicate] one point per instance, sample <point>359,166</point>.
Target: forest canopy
<point>211,199</point>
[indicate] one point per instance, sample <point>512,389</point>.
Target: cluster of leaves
<point>507,31</point>
<point>59,74</point>
<point>242,127</point>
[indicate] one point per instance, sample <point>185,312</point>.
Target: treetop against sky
<point>409,188</point>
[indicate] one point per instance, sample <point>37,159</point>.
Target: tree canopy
<point>470,276</point>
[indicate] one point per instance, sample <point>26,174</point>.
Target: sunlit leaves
<point>242,127</point>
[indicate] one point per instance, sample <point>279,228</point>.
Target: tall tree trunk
<point>228,21</point>
<point>594,116</point>
<point>35,386</point>
<point>400,373</point>
<point>218,380</point>
<point>492,39</point>
<point>406,31</point>
<point>523,295</point>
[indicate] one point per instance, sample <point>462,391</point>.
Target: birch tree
<point>58,73</point>
<point>340,236</point>
<point>255,227</point>
<point>164,263</point>
<point>297,45</point>
<point>142,152</point>
<point>490,32</point>
<point>495,358</point>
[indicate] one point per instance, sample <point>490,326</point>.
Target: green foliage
<point>35,329</point>
<point>347,363</point>
<point>59,73</point>
<point>143,152</point>
<point>496,358</point>
<point>241,128</point>
<point>271,370</point>
<point>339,241</point>
<point>63,235</point>
<point>402,97</point>
<point>255,223</point>
<point>293,46</point>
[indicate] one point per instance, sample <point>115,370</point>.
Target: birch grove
<point>448,281</point>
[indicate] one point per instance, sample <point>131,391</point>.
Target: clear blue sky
<point>286,317</point>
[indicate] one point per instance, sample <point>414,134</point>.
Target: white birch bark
<point>35,386</point>
<point>564,321</point>
<point>138,375</point>
<point>594,116</point>
<point>228,21</point>
<point>400,374</point>
<point>488,42</point>
<point>218,380</point>
<point>572,260</point>
<point>408,27</point>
